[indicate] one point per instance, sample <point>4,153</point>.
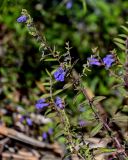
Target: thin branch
<point>11,133</point>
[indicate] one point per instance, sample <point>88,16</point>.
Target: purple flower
<point>44,136</point>
<point>93,61</point>
<point>108,60</point>
<point>50,131</point>
<point>21,119</point>
<point>59,103</point>
<point>59,75</point>
<point>82,123</point>
<point>22,19</point>
<point>69,5</point>
<point>29,121</point>
<point>41,104</point>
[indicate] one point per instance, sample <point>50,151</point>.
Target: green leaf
<point>119,40</point>
<point>57,92</point>
<point>48,73</point>
<point>68,85</point>
<point>105,150</point>
<point>84,6</point>
<point>51,115</point>
<point>120,118</point>
<point>46,84</point>
<point>46,96</point>
<point>96,129</point>
<point>97,99</point>
<point>84,103</point>
<point>125,28</point>
<point>48,111</point>
<point>122,35</point>
<point>50,59</point>
<point>88,115</point>
<point>125,108</point>
<point>121,46</point>
<point>59,134</point>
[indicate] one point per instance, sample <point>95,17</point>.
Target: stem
<point>105,125</point>
<point>67,127</point>
<point>84,91</point>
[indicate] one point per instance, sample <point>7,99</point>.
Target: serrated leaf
<point>96,129</point>
<point>97,99</point>
<point>119,40</point>
<point>121,46</point>
<point>125,28</point>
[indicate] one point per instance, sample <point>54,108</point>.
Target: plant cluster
<point>62,77</point>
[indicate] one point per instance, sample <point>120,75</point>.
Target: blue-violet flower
<point>82,123</point>
<point>93,61</point>
<point>22,19</point>
<point>29,121</point>
<point>44,136</point>
<point>50,131</point>
<point>21,119</point>
<point>59,103</point>
<point>108,60</point>
<point>69,4</point>
<point>59,75</point>
<point>41,104</point>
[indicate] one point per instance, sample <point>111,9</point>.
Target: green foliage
<point>96,129</point>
